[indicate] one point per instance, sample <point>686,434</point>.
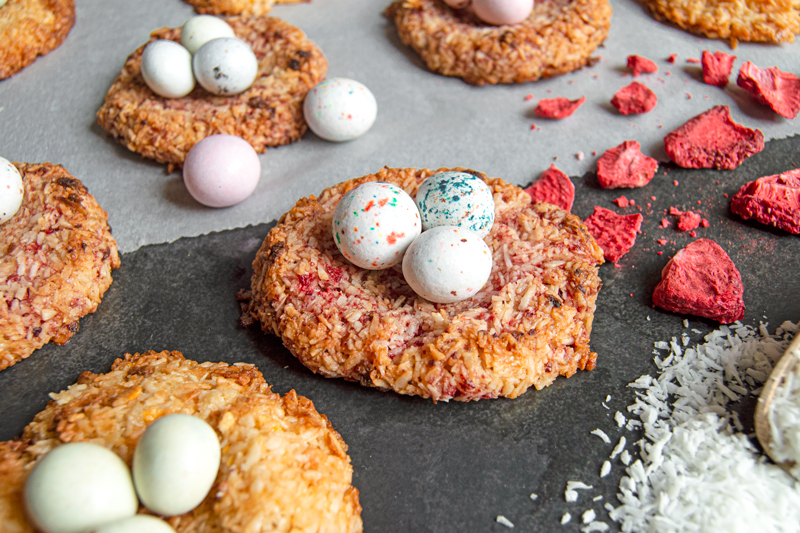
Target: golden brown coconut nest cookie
<point>32,28</point>
<point>558,37</point>
<point>528,325</point>
<point>269,113</point>
<point>751,20</point>
<point>283,466</point>
<point>56,257</point>
<point>237,7</point>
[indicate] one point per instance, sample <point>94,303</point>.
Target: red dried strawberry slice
<point>779,90</point>
<point>625,166</point>
<point>634,99</point>
<point>556,108</point>
<point>641,65</point>
<point>614,233</point>
<point>553,187</point>
<point>773,200</point>
<point>717,67</point>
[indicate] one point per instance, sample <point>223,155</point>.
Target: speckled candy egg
<point>175,464</point>
<point>456,199</point>
<point>167,69</point>
<point>446,264</point>
<point>221,170</point>
<point>225,66</point>
<point>374,224</point>
<point>502,12</point>
<point>78,487</point>
<point>141,523</point>
<point>200,29</point>
<point>340,109</point>
<point>11,190</point>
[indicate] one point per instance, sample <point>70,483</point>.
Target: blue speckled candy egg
<point>446,264</point>
<point>456,199</point>
<point>11,190</point>
<point>374,223</point>
<point>340,109</point>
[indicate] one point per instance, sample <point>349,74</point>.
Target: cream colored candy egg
<point>167,69</point>
<point>175,464</point>
<point>200,29</point>
<point>12,190</point>
<point>140,523</point>
<point>225,66</point>
<point>78,487</point>
<point>502,12</point>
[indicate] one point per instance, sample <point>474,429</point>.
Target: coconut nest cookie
<point>529,324</point>
<point>558,37</point>
<point>32,28</point>
<point>269,113</point>
<point>56,262</point>
<point>776,21</point>
<point>283,467</point>
<point>237,7</point>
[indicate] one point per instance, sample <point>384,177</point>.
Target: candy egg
<point>140,523</point>
<point>3,2</point>
<point>447,264</point>
<point>175,464</point>
<point>167,69</point>
<point>221,170</point>
<point>340,109</point>
<point>225,66</point>
<point>374,223</point>
<point>11,190</point>
<point>78,487</point>
<point>456,199</point>
<point>501,12</point>
<point>198,30</point>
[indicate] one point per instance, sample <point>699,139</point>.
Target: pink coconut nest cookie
<point>269,113</point>
<point>529,324</point>
<point>237,7</point>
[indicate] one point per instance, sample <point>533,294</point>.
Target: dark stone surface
<point>447,467</point>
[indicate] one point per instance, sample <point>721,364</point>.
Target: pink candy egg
<point>221,170</point>
<point>501,12</point>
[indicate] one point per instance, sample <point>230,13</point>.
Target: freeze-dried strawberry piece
<point>634,99</point>
<point>614,233</point>
<point>553,187</point>
<point>779,90</point>
<point>641,65</point>
<point>557,107</point>
<point>717,67</point>
<point>712,140</point>
<point>773,200</point>
<point>625,166</point>
<point>689,221</point>
<point>701,280</point>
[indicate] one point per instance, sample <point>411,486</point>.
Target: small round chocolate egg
<point>225,66</point>
<point>200,29</point>
<point>11,190</point>
<point>140,523</point>
<point>446,264</point>
<point>78,487</point>
<point>374,223</point>
<point>167,69</point>
<point>175,464</point>
<point>221,170</point>
<point>502,12</point>
<point>340,109</point>
<point>456,199</point>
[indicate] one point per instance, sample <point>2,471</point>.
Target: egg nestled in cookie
<point>11,190</point>
<point>167,69</point>
<point>502,12</point>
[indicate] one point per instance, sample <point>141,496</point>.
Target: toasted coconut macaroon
<point>558,37</point>
<point>57,256</point>
<point>269,113</point>
<point>237,7</point>
<point>283,466</point>
<point>774,21</point>
<point>529,324</point>
<point>32,28</point>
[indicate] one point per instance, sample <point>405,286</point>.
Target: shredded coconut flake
<point>566,518</point>
<point>588,516</point>
<point>595,526</point>
<point>605,469</point>
<point>602,434</point>
<point>534,497</point>
<point>618,448</point>
<point>625,457</point>
<point>620,419</point>
<point>571,494</point>
<point>504,521</point>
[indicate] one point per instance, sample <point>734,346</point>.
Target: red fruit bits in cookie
<point>773,200</point>
<point>615,233</point>
<point>634,99</point>
<point>779,90</point>
<point>717,67</point>
<point>625,166</point>
<point>712,140</point>
<point>556,108</point>
<point>701,280</point>
<point>641,65</point>
<point>553,187</point>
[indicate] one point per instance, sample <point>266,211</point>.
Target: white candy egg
<point>221,170</point>
<point>501,12</point>
<point>456,199</point>
<point>140,523</point>
<point>374,224</point>
<point>200,29</point>
<point>340,109</point>
<point>3,2</point>
<point>167,69</point>
<point>175,464</point>
<point>78,487</point>
<point>225,66</point>
<point>11,190</point>
<point>447,264</point>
